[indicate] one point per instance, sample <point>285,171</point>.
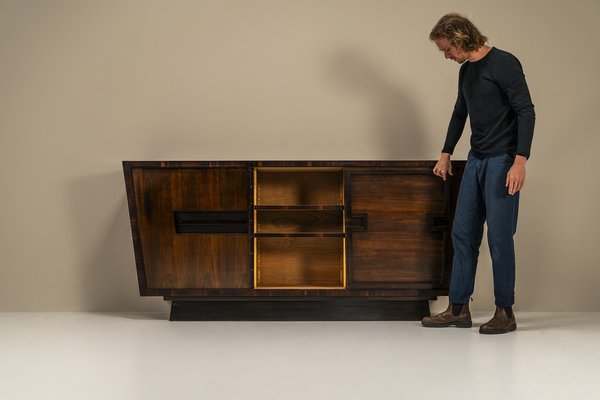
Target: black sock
<point>456,308</point>
<point>509,311</point>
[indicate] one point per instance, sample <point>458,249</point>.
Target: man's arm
<point>455,130</point>
<point>512,81</point>
<point>458,119</point>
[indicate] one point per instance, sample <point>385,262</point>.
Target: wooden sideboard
<point>292,240</point>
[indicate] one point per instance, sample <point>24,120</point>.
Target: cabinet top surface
<point>285,163</point>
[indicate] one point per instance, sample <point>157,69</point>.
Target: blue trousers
<point>483,197</point>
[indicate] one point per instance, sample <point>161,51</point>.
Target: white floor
<point>141,356</point>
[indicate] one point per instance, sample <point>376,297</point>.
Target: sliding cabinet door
<point>398,228</point>
<point>193,227</point>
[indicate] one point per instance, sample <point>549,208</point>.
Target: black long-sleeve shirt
<point>493,92</point>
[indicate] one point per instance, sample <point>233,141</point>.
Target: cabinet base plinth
<point>299,310</point>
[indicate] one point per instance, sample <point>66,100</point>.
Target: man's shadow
<point>397,125</point>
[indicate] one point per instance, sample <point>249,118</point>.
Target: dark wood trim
<point>402,290</point>
<point>135,229</point>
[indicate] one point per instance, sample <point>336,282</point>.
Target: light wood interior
<point>299,186</point>
<point>311,261</point>
<point>299,262</point>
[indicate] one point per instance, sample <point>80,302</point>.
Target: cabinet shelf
<point>300,234</point>
<point>299,221</point>
<point>299,207</point>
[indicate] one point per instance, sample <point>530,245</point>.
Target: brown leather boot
<point>462,320</point>
<point>500,323</point>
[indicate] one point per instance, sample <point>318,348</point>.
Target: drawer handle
<point>356,222</point>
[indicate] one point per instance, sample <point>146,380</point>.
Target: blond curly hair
<point>459,31</point>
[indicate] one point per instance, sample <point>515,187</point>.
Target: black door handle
<point>438,222</point>
<point>356,222</point>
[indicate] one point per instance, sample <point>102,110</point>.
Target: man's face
<point>451,52</point>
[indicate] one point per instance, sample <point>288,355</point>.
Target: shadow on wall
<point>102,234</point>
<point>397,126</point>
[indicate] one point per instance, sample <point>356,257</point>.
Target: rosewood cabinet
<point>292,240</point>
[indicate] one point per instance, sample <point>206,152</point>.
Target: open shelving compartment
<point>299,228</point>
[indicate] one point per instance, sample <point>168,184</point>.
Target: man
<point>493,92</point>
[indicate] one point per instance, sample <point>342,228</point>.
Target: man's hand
<point>443,166</point>
<point>515,179</point>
